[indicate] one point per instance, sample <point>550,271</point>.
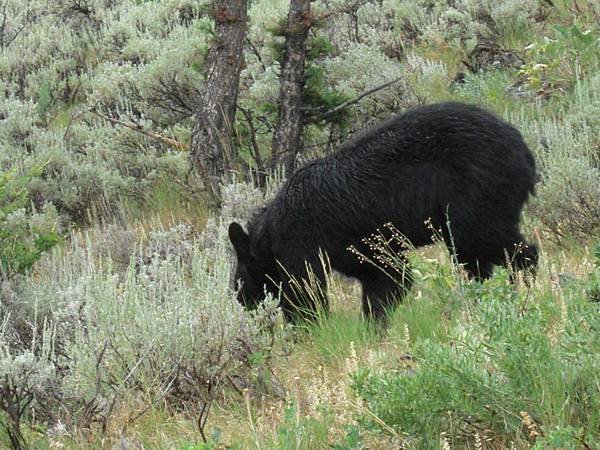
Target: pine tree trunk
<point>212,136</point>
<point>288,132</point>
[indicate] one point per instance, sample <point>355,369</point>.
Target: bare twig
<point>254,145</point>
<point>350,102</point>
<point>165,388</point>
<point>256,53</point>
<point>175,96</point>
<point>28,19</point>
<point>202,418</point>
<point>139,129</point>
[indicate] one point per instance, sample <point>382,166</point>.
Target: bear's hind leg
<point>479,259</point>
<point>524,256</point>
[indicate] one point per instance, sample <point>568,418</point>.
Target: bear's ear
<point>240,241</point>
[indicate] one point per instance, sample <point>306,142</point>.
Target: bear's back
<point>430,133</point>
<point>462,140</point>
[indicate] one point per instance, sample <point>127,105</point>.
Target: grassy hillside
<point>463,365</point>
<point>127,335</point>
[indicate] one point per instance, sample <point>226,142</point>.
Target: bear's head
<point>250,277</point>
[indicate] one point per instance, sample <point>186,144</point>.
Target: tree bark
<point>212,140</point>
<point>288,132</point>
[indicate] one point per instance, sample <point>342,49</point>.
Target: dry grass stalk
<point>534,431</point>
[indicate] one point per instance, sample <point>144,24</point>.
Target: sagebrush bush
<point>134,62</point>
<point>163,327</point>
<point>239,201</point>
<point>160,331</point>
<point>567,203</point>
<point>396,25</point>
<point>28,371</point>
<point>129,312</point>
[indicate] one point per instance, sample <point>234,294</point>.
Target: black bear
<point>450,166</point>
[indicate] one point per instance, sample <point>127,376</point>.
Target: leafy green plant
<point>22,241</point>
<point>319,95</point>
<point>44,100</point>
<point>593,284</point>
<point>567,438</point>
<point>351,440</point>
<point>213,443</point>
<point>555,63</point>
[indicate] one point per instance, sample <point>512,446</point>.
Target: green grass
<point>513,351</point>
<point>473,362</point>
<point>329,339</point>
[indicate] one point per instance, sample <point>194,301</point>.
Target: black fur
<point>444,162</point>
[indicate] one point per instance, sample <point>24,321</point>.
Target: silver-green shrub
<point>239,202</point>
<point>63,60</point>
<point>165,333</point>
<point>395,25</point>
<point>165,327</point>
<point>567,203</point>
<point>28,373</point>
